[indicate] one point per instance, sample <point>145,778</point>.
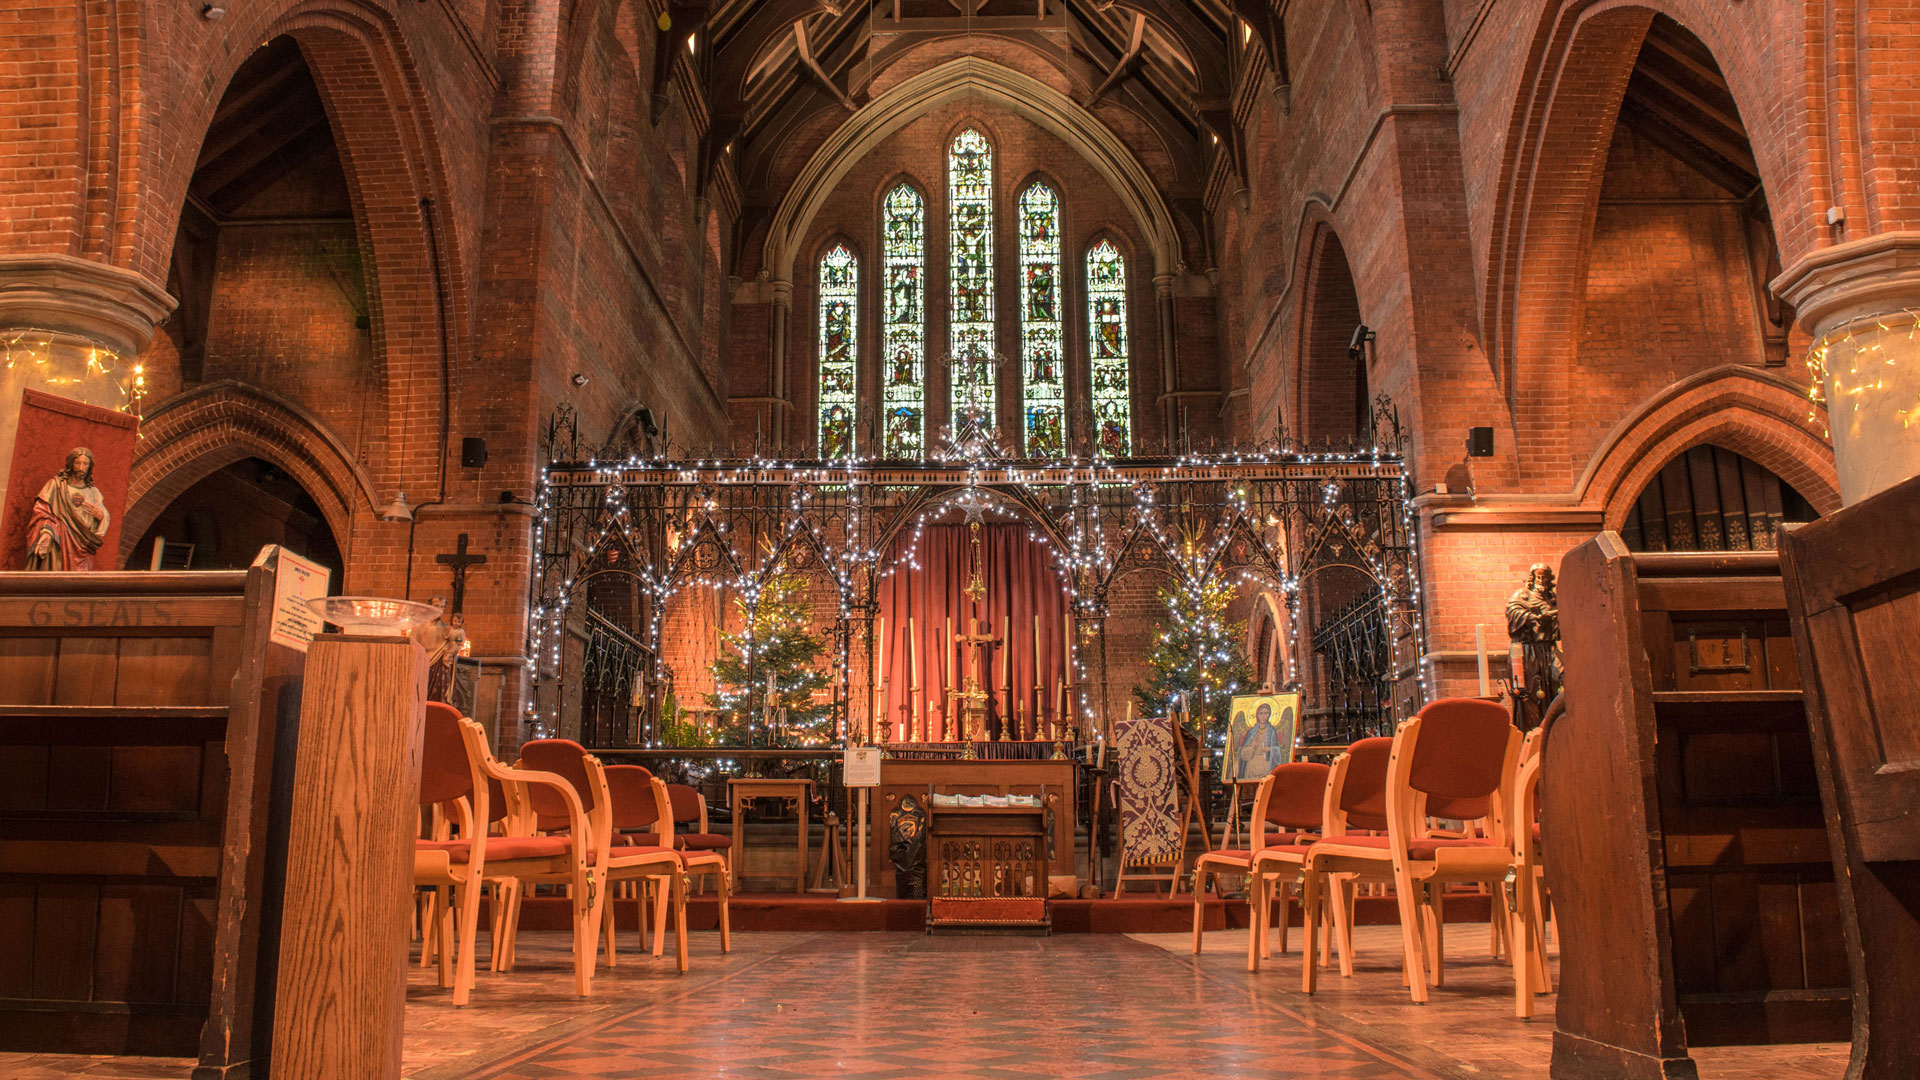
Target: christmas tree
<point>1196,652</point>
<point>771,662</point>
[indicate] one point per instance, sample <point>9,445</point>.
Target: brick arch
<point>193,435</point>
<point>1739,408</point>
<point>1548,187</point>
<point>1329,309</point>
<point>396,174</point>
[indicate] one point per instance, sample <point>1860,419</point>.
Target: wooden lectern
<point>1853,588</point>
<point>342,985</point>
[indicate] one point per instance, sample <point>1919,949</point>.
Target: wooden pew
<point>1853,585</point>
<point>139,714</point>
<point>1684,840</point>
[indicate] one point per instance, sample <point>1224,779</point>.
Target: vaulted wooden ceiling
<point>778,72</point>
<point>1678,100</point>
<point>270,122</point>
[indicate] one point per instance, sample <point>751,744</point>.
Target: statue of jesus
<point>69,521</point>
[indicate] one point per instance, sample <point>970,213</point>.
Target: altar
<point>897,842</point>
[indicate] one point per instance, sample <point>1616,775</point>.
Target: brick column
<point>1169,384</point>
<point>71,327</point>
<point>1861,302</point>
<point>780,414</point>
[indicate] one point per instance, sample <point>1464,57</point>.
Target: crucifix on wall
<point>460,561</point>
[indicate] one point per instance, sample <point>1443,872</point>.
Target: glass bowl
<point>375,615</point>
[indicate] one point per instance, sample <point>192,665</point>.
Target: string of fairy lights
<point>36,346</point>
<point>699,549</point>
<point>1865,340</point>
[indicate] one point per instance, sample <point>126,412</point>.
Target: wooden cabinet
<point>1683,832</point>
<point>136,749</point>
<point>987,867</point>
<point>897,846</point>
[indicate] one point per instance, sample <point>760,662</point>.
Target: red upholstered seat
<point>500,847</point>
<point>634,839</point>
<point>703,841</point>
<point>1417,849</point>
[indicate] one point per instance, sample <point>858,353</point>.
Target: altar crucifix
<point>460,561</point>
<point>972,696</point>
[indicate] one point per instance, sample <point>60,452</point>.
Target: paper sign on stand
<point>296,580</point>
<point>860,768</point>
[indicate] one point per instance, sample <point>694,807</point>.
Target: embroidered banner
<point>1146,783</point>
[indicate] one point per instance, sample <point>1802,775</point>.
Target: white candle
<point>1480,648</point>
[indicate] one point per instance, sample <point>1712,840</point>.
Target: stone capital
<point>116,308</point>
<point>1868,276</point>
<point>782,292</point>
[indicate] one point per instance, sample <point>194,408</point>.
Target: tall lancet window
<point>970,195</point>
<point>903,391</point>
<point>1042,368</point>
<point>839,351</point>
<point>1107,341</point>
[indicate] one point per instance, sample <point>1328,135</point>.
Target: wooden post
<point>343,939</point>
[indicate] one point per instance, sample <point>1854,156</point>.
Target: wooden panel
<point>155,778</point>
<point>23,778</point>
<point>194,976</point>
<point>1851,582</point>
<point>87,670</point>
<point>1825,935</point>
<point>111,858</point>
<point>16,939</point>
<point>26,670</point>
<point>64,920</point>
<point>78,777</point>
<point>1719,654</point>
<point>165,671</point>
<point>1884,625</point>
<point>138,943</point>
<point>126,616</point>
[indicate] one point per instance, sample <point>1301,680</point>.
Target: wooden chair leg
<point>1341,890</point>
<point>1283,892</point>
<point>1199,891</point>
<point>1310,885</point>
<point>469,929</point>
<point>726,932</point>
<point>679,886</point>
<point>1437,940</point>
<point>1520,949</point>
<point>443,933</point>
<point>607,917</point>
<point>1412,947</point>
<point>1256,919</point>
<point>661,901</point>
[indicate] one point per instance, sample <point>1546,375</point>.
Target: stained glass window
<point>903,322</point>
<point>1042,368</point>
<point>1107,344</point>
<point>970,196</point>
<point>839,354</point>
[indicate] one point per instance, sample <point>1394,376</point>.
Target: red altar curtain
<point>1022,586</point>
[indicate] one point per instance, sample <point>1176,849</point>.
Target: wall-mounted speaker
<point>473,453</point>
<point>1480,442</point>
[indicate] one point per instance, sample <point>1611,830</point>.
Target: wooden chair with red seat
<point>1286,809</point>
<point>641,800</point>
<point>1354,800</point>
<point>1455,749</point>
<point>465,863</point>
<point>1527,941</point>
<point>690,809</point>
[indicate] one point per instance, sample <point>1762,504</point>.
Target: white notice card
<point>296,580</point>
<point>862,766</point>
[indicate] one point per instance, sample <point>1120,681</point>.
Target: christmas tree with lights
<point>1196,652</point>
<point>769,670</point>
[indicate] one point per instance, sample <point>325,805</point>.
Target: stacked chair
<point>556,816</point>
<point>1286,807</point>
<point>1460,759</point>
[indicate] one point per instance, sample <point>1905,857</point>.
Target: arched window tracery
<point>1042,359</point>
<point>1108,348</point>
<point>839,351</point>
<point>970,240</point>
<point>903,391</point>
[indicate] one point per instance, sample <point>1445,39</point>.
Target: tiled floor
<point>1080,1006</point>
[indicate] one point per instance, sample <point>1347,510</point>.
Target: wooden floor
<point>885,1005</point>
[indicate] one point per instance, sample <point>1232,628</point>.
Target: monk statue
<point>1533,623</point>
<point>69,521</point>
